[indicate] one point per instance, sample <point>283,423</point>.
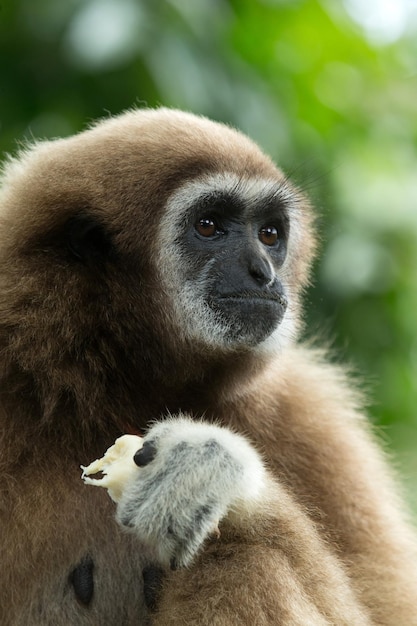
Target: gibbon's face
<point>226,241</point>
<point>154,223</point>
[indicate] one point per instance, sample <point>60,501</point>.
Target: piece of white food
<point>117,466</point>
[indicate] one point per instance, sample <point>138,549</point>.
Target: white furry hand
<point>191,474</point>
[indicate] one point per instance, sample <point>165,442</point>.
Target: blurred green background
<point>327,87</point>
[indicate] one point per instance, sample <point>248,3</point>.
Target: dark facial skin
<point>238,249</point>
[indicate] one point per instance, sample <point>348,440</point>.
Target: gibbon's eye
<point>207,227</point>
<point>268,235</point>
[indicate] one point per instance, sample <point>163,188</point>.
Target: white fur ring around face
<point>117,466</point>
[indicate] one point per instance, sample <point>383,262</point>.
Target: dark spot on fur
<point>170,527</point>
<point>152,583</point>
<point>181,447</point>
<point>211,448</point>
<point>82,580</point>
<point>146,454</point>
<point>127,521</point>
<point>87,239</point>
<point>202,513</point>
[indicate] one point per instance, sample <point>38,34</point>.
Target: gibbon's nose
<point>260,270</point>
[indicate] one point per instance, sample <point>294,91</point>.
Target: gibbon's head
<point>151,234</point>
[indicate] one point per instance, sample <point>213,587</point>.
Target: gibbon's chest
<point>68,562</point>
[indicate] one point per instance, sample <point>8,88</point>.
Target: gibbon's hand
<point>191,474</point>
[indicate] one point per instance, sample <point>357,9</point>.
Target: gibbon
<point>151,270</point>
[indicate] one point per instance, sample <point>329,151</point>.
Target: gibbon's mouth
<point>255,296</point>
<point>250,317</point>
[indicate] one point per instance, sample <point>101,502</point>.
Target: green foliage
<point>336,109</point>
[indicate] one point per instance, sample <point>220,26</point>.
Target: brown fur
<point>89,352</point>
